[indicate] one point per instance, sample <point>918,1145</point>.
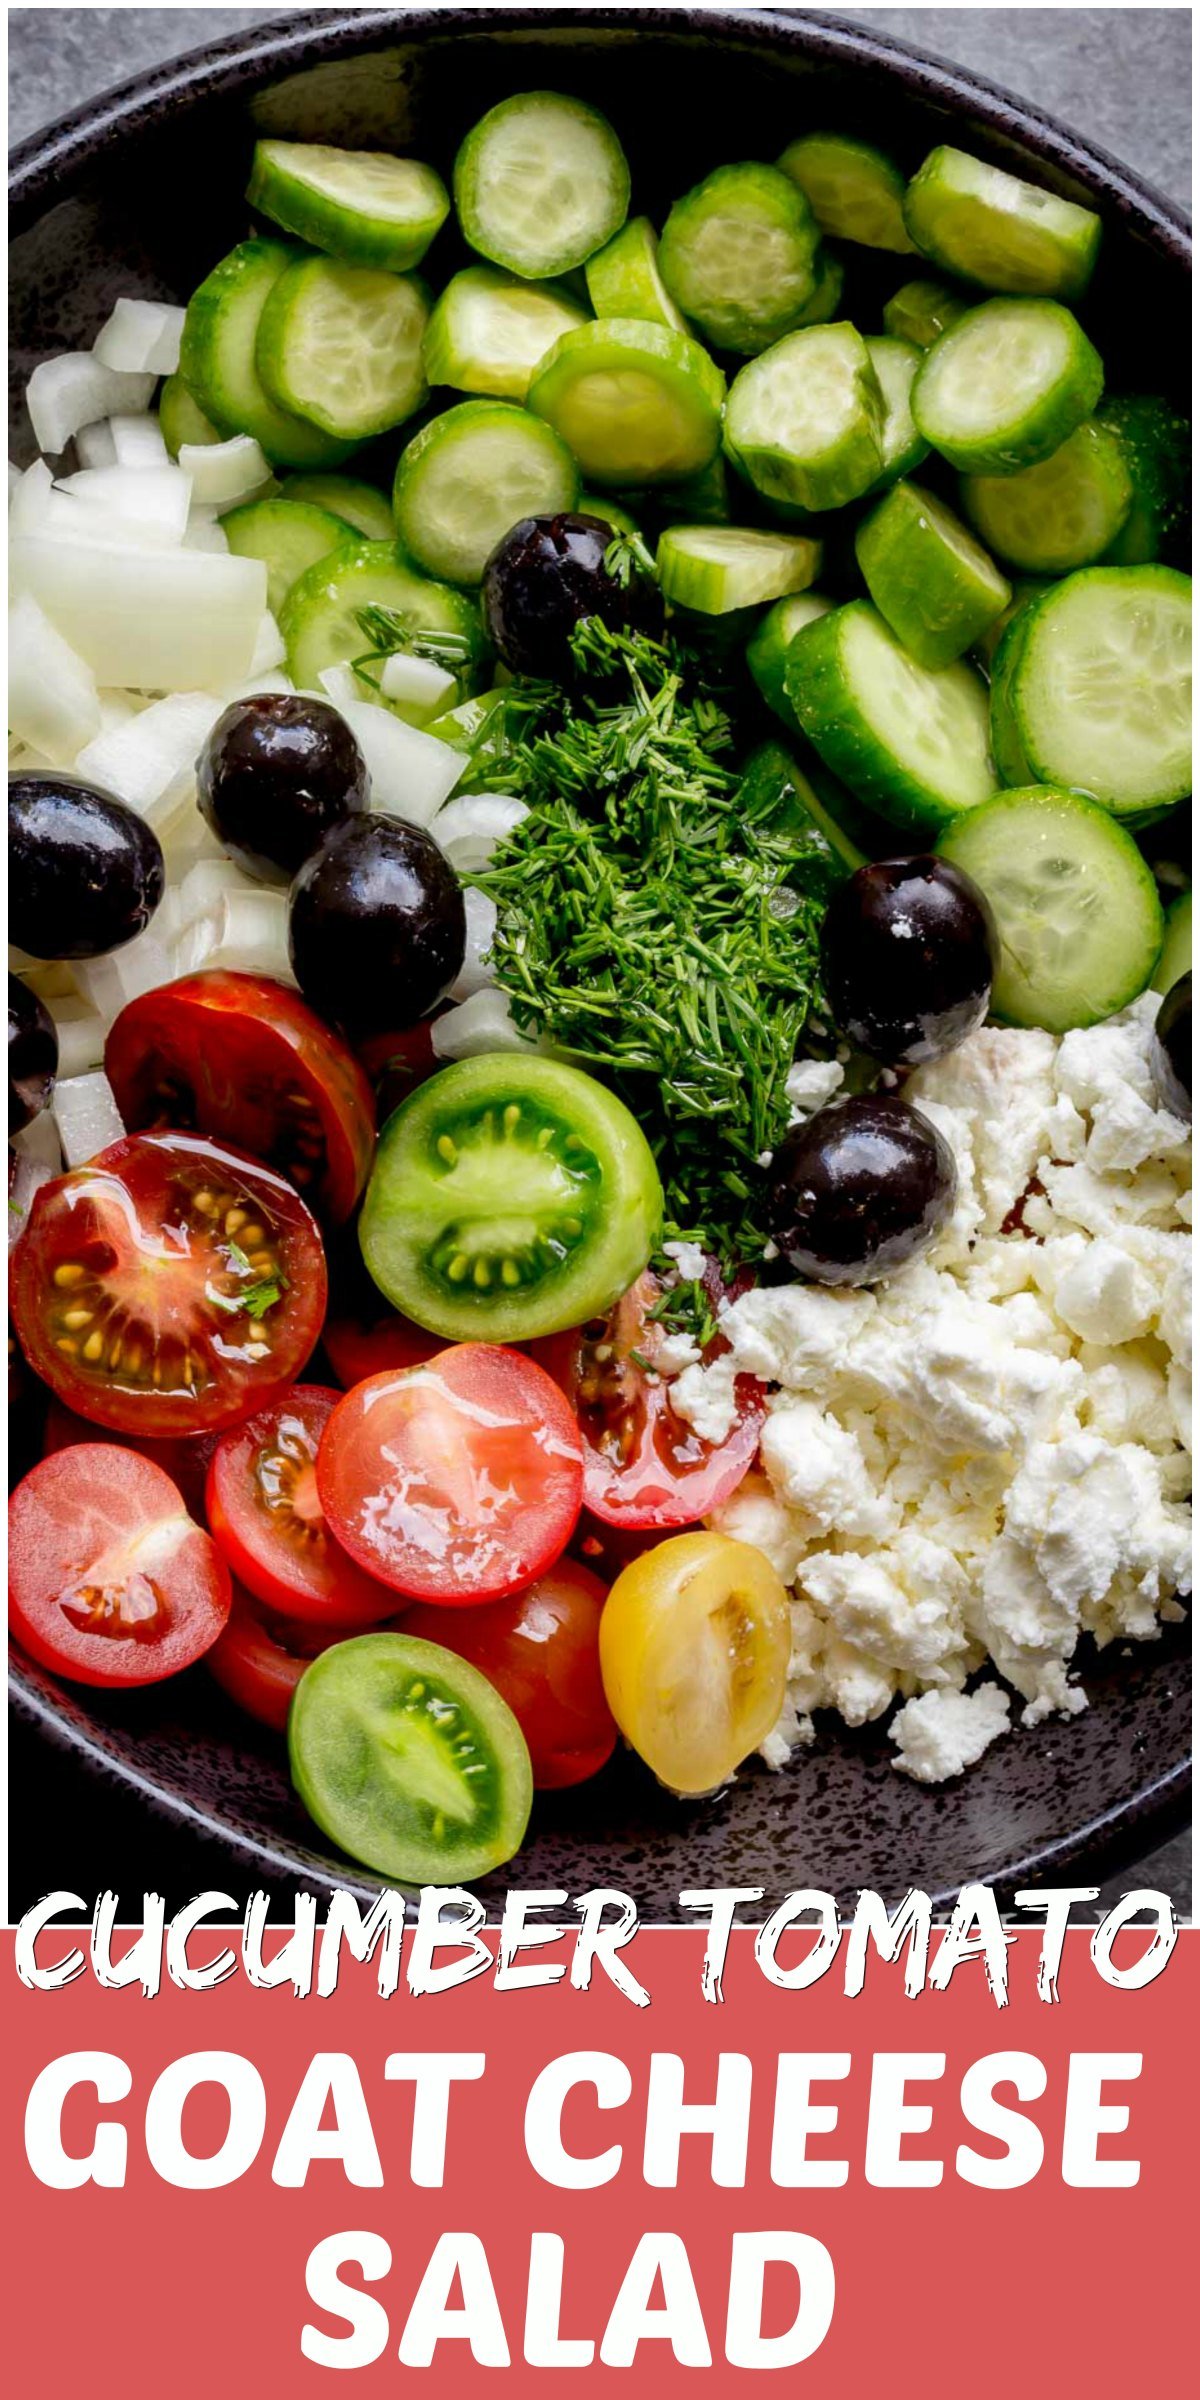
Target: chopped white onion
<point>272,680</point>
<point>80,1031</point>
<point>50,978</point>
<point>223,473</point>
<point>482,1023</point>
<point>152,501</point>
<point>29,499</point>
<point>141,336</point>
<point>470,829</point>
<point>94,445</point>
<point>418,684</point>
<point>205,887</point>
<point>116,708</point>
<point>411,772</point>
<point>14,478</point>
<point>36,1159</point>
<point>204,533</point>
<point>71,391</point>
<point>109,984</point>
<point>476,971</point>
<point>52,700</point>
<point>87,1116</point>
<point>270,650</point>
<point>186,839</point>
<point>150,762</point>
<point>153,620</point>
<point>247,932</point>
<point>138,439</point>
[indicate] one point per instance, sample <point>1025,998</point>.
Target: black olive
<point>32,1055</point>
<point>544,578</point>
<point>377,926</point>
<point>277,773</point>
<point>858,1190</point>
<point>909,950</point>
<point>1171,1056</point>
<point>85,872</point>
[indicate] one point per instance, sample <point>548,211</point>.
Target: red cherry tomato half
<point>186,1461</point>
<point>395,1063</point>
<point>457,1481</point>
<point>110,1581</point>
<point>644,1466</point>
<point>266,1518</point>
<point>540,1649</point>
<point>357,1348</point>
<point>259,1660</point>
<point>170,1287</point>
<point>245,1061</point>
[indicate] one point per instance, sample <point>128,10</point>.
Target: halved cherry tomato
<point>695,1642</point>
<point>266,1518</point>
<point>110,1581</point>
<point>457,1481</point>
<point>258,1660</point>
<point>170,1287</point>
<point>362,1336</point>
<point>644,1466</point>
<point>395,1063</point>
<point>541,1650</point>
<point>186,1461</point>
<point>246,1061</point>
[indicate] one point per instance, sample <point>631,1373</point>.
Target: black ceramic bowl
<point>140,192</point>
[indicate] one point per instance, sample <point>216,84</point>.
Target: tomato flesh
<point>170,1287</point>
<point>186,1461</point>
<point>245,1061</point>
<point>695,1643</point>
<point>258,1660</point>
<point>110,1581</point>
<point>540,1649</point>
<point>266,1517</point>
<point>456,1481</point>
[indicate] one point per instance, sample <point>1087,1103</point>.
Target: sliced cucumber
<point>601,504</point>
<point>929,578</point>
<point>361,205</point>
<point>320,620</point>
<point>357,504</point>
<point>217,358</point>
<point>805,423</point>
<point>1025,587</point>
<point>998,230</point>
<point>634,403</point>
<point>1102,688</point>
<point>1011,764</point>
<point>1006,385</point>
<point>540,184</point>
<point>911,741</point>
<point>1176,959</point>
<point>716,568</point>
<point>922,311</point>
<point>741,255</point>
<point>768,646</point>
<point>1063,514</point>
<point>851,188</point>
<point>1156,444</point>
<point>468,477</point>
<point>1080,922</point>
<point>896,363</point>
<point>490,330</point>
<point>827,290</point>
<point>774,790</point>
<point>289,535</point>
<point>340,346</point>
<point>704,499</point>
<point>181,418</point>
<point>623,279</point>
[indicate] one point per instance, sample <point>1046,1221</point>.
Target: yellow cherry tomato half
<point>695,1639</point>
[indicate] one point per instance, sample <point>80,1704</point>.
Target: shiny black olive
<point>277,773</point>
<point>85,873</point>
<point>909,949</point>
<point>862,1187</point>
<point>32,1055</point>
<point>544,578</point>
<point>377,926</point>
<point>1171,1056</point>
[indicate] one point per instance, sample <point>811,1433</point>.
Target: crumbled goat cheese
<point>810,1084</point>
<point>940,1733</point>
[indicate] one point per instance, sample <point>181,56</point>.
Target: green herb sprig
<point>388,633</point>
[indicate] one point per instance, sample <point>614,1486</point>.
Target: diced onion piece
<point>116,708</point>
<point>411,772</point>
<point>254,685</point>
<point>138,439</point>
<point>87,1117</point>
<point>52,699</point>
<point>65,393</point>
<point>476,972</point>
<point>94,445</point>
<point>204,532</point>
<point>223,473</point>
<point>270,650</point>
<point>416,683</point>
<point>109,984</point>
<point>150,762</point>
<point>152,501</point>
<point>141,336</point>
<point>14,477</point>
<point>247,932</point>
<point>482,1023</point>
<point>80,1031</point>
<point>186,839</point>
<point>471,829</point>
<point>206,886</point>
<point>36,1159</point>
<point>30,498</point>
<point>152,620</point>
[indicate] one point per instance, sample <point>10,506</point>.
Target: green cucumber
<point>987,648</point>
<point>910,741</point>
<point>217,358</point>
<point>1156,444</point>
<point>540,184</point>
<point>1011,764</point>
<point>716,568</point>
<point>472,474</point>
<point>290,535</point>
<point>741,256</point>
<point>181,418</point>
<point>1102,686</point>
<point>804,423</point>
<point>1063,514</point>
<point>768,646</point>
<point>320,620</point>
<point>997,230</point>
<point>1079,918</point>
<point>853,190</point>
<point>896,363</point>
<point>358,505</point>
<point>634,403</point>
<point>929,578</point>
<point>601,504</point>
<point>490,330</point>
<point>774,790</point>
<point>340,346</point>
<point>1176,959</point>
<point>704,498</point>
<point>360,205</point>
<point>827,291</point>
<point>623,278</point>
<point>922,311</point>
<point>1006,385</point>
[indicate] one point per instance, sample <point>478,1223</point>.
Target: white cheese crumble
<point>940,1733</point>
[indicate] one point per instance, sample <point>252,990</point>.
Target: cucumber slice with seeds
<point>623,279</point>
<point>716,568</point>
<point>1063,514</point>
<point>634,403</point>
<point>936,587</point>
<point>1156,444</point>
<point>1102,688</point>
<point>1079,918</point>
<point>1176,958</point>
<point>217,358</point>
<point>896,364</point>
<point>289,535</point>
<point>910,741</point>
<point>320,620</point>
<point>341,346</point>
<point>540,184</point>
<point>1011,764</point>
<point>361,205</point>
<point>359,505</point>
<point>853,190</point>
<point>470,476</point>
<point>767,649</point>
<point>997,230</point>
<point>1005,386</point>
<point>922,311</point>
<point>741,255</point>
<point>490,330</point>
<point>805,422</point>
<point>181,418</point>
<point>987,648</point>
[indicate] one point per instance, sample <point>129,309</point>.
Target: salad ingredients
<point>1171,1055</point>
<point>928,577</point>
<point>322,622</point>
<point>994,228</point>
<point>1156,445</point>
<point>911,741</point>
<point>717,568</point>
<point>258,1659</point>
<point>32,1055</point>
<point>541,1651</point>
<point>185,1460</point>
<point>1176,958</point>
<point>635,403</point>
<point>540,184</point>
<point>922,310</point>
<point>489,331</point>
<point>85,873</point>
<point>741,255</point>
<point>456,1481</point>
<point>470,475</point>
<point>858,1188</point>
<point>364,205</point>
<point>1006,384</point>
<point>1101,687</point>
<point>340,346</point>
<point>218,358</point>
<point>909,950</point>
<point>550,573</point>
<point>266,1518</point>
<point>854,191</point>
<point>804,422</point>
<point>1065,513</point>
<point>354,503</point>
<point>289,536</point>
<point>376,929</point>
<point>277,773</point>
<point>694,1646</point>
<point>624,278</point>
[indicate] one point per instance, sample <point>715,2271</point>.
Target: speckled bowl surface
<point>140,192</point>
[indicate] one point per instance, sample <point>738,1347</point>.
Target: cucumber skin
<point>921,312</point>
<point>310,216</point>
<point>373,522</point>
<point>250,520</point>
<point>774,785</point>
<point>285,440</point>
<point>1156,444</point>
<point>181,418</point>
<point>678,354</point>
<point>1139,815</point>
<point>1068,285</point>
<point>886,544</point>
<point>1045,426</point>
<point>766,658</point>
<point>1176,956</point>
<point>1009,758</point>
<point>825,706</point>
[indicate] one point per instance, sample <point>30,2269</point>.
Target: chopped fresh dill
<point>627,556</point>
<point>388,633</point>
<point>682,1307</point>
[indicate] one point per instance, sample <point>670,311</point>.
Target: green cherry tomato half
<point>511,1197</point>
<point>405,1756</point>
